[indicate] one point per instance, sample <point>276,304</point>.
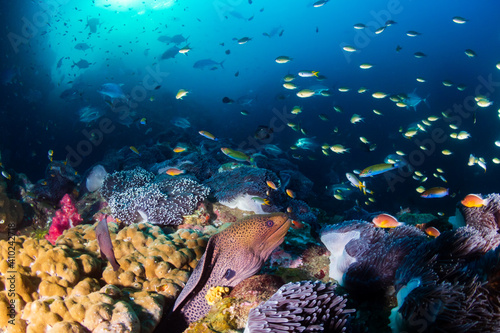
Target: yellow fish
<point>181,93</point>
<point>179,149</point>
<point>135,150</point>
<point>304,93</point>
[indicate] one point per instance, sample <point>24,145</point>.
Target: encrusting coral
<point>69,288</point>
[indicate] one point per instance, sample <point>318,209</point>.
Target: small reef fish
<point>236,155</point>
<point>297,224</point>
<point>6,175</point>
<point>473,200</point>
<point>290,193</point>
<point>308,73</point>
<point>378,169</point>
<point>50,155</point>
<point>271,184</point>
<point>174,171</point>
<point>356,182</point>
<point>105,244</point>
<point>179,149</point>
<point>435,192</point>
<point>431,231</point>
<point>304,93</point>
<point>181,93</point>
<point>135,150</point>
<point>261,201</point>
<point>386,221</point>
<point>208,135</point>
<point>283,59</point>
<point>339,149</point>
<point>231,256</point>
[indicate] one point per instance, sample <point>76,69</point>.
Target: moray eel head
<point>231,256</point>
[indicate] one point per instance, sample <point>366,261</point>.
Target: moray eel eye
<point>269,223</point>
<point>229,274</point>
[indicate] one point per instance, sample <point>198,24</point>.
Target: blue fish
<point>180,122</point>
<point>112,90</point>
<point>208,63</point>
<point>89,114</point>
<point>412,100</point>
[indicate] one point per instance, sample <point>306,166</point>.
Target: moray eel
<point>231,256</point>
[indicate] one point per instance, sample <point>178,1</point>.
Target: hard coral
<point>301,306</point>
<point>106,310</point>
<point>57,287</point>
<point>139,195</point>
<point>66,217</point>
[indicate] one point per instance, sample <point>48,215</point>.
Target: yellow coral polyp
<point>215,294</point>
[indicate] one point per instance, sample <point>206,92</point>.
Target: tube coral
<point>301,306</point>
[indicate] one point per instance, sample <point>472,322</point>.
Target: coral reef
<point>444,285</point>
<point>364,259</point>
<point>11,212</point>
<point>137,195</point>
<point>232,255</point>
<point>301,306</point>
<point>66,279</point>
<point>230,314</point>
<point>60,179</point>
<point>236,187</point>
<point>299,210</point>
<point>66,217</point>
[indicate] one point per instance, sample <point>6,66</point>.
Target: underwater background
<point>45,88</point>
<point>142,139</point>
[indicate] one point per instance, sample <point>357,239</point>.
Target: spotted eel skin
<point>231,256</point>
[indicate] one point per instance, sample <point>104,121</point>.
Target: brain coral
<point>137,194</point>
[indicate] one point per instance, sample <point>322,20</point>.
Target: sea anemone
<point>301,307</point>
<point>487,216</point>
<point>364,259</point>
<point>444,286</point>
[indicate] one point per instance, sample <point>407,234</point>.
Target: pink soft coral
<point>65,218</point>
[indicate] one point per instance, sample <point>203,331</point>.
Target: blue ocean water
<point>57,54</point>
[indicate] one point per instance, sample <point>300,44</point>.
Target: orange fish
<point>271,185</point>
<point>179,149</point>
<point>473,200</point>
<point>289,209</point>
<point>174,172</point>
<point>431,231</point>
<point>297,224</point>
<point>386,221</point>
<point>290,193</point>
